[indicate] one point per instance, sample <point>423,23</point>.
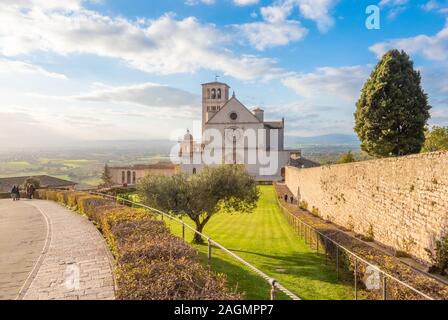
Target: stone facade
<point>244,137</point>
<point>130,175</point>
<point>403,201</point>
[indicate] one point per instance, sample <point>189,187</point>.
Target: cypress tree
<point>393,109</point>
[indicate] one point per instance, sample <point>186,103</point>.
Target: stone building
<point>243,136</point>
<point>130,175</point>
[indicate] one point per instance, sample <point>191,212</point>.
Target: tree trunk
<point>197,237</point>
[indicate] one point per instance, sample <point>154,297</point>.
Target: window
<point>194,170</point>
<point>213,93</point>
<point>134,180</point>
<point>128,177</point>
<point>123,177</point>
<point>219,94</point>
<point>208,93</point>
<point>233,116</point>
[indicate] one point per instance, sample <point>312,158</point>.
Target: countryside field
<point>265,239</point>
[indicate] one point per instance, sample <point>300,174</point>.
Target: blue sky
<point>111,69</point>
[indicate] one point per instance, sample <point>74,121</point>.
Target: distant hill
<point>327,140</point>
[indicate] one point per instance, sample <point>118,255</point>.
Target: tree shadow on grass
<point>239,277</point>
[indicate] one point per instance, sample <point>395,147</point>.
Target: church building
<point>234,134</point>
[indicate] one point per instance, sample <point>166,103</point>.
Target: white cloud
<point>15,66</point>
<point>384,3</point>
<point>435,5</point>
<point>431,47</point>
<point>196,2</point>
<point>342,82</point>
<point>245,2</point>
<point>147,94</point>
<point>162,46</point>
<point>318,11</point>
<point>264,35</point>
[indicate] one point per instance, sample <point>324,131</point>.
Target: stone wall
<point>403,200</point>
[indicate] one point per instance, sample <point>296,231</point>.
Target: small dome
<point>188,136</point>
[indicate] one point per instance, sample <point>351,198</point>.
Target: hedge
<point>151,263</point>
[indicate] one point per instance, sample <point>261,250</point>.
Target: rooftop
<point>167,165</point>
<point>6,184</point>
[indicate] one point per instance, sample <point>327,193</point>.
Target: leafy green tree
<point>436,139</point>
<point>226,188</point>
<point>346,158</point>
<point>106,177</point>
<point>393,110</point>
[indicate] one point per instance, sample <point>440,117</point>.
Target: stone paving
<point>76,263</point>
<point>23,232</point>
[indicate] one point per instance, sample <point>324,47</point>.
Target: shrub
<point>439,256</point>
<point>303,205</point>
<point>369,236</point>
<point>151,263</point>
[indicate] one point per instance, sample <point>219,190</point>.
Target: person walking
<point>31,191</point>
<point>14,193</point>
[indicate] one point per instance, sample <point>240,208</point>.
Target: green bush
<point>151,263</point>
<point>439,256</point>
<point>303,205</point>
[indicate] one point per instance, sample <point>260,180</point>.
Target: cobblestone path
<point>72,260</point>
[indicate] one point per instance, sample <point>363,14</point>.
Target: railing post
<point>209,253</point>
<point>337,261</point>
<point>326,246</point>
<point>273,289</point>
<point>356,279</point>
<point>384,287</point>
<point>183,230</point>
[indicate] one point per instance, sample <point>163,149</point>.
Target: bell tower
<point>214,96</point>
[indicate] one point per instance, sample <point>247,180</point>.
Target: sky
<point>75,70</point>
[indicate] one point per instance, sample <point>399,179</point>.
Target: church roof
<point>227,102</point>
<point>216,82</point>
<point>274,124</point>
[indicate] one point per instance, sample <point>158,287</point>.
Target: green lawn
<point>265,239</point>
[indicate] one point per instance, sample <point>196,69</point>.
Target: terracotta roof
<point>215,82</point>
<point>147,166</point>
<point>6,184</point>
<point>274,124</point>
<point>303,163</point>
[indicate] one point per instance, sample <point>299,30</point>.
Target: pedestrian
<point>17,193</point>
<point>32,189</point>
<point>14,193</point>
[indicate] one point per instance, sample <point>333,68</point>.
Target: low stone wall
<point>402,202</point>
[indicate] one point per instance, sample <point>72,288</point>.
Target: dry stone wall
<point>403,201</point>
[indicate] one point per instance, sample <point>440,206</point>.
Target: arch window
<point>213,93</point>
<point>128,180</point>
<point>218,94</point>
<point>208,93</point>
<point>134,178</point>
<point>123,177</point>
<point>194,170</point>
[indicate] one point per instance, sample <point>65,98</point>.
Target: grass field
<point>265,239</point>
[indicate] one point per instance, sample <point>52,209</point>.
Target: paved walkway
<point>60,252</point>
<point>23,232</point>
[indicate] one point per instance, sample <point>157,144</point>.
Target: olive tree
<point>225,188</point>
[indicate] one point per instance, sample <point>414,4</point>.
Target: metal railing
<point>377,280</point>
<point>274,284</point>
